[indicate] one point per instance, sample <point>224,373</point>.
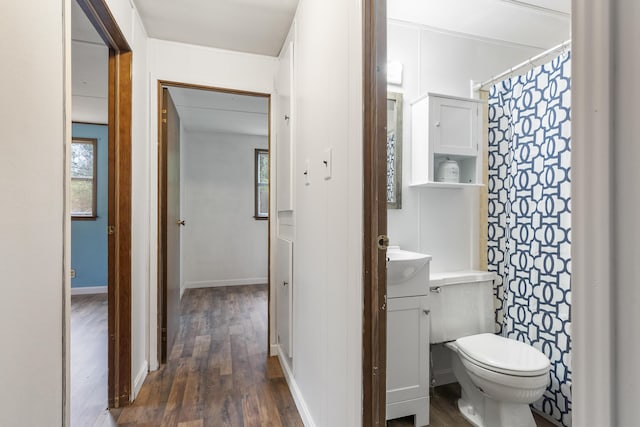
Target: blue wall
<point>89,238</point>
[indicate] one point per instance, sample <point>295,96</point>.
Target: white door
<point>284,152</point>
<point>453,125</point>
<point>284,296</point>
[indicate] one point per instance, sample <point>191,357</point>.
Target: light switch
<point>307,173</point>
<point>326,163</point>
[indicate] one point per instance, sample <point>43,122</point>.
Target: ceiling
<point>260,26</point>
<point>210,111</point>
<point>536,23</point>
<point>89,71</point>
<point>253,26</point>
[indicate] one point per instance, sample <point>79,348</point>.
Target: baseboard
<point>444,376</point>
<point>546,417</point>
<point>303,410</point>
<point>89,290</point>
<point>225,282</point>
<point>273,349</point>
<point>139,380</point>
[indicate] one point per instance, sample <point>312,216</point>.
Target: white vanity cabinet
<point>408,329</point>
<point>408,358</point>
<point>446,128</point>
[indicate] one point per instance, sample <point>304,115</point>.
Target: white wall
<point>90,82</point>
<point>327,302</point>
<point>140,208</point>
<point>223,244</point>
<point>34,264</point>
<point>442,223</point>
<point>184,63</point>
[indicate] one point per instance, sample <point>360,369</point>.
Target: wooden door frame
<point>162,247</point>
<point>119,204</point>
<point>374,326</point>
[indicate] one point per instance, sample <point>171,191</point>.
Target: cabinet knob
<point>427,312</point>
<point>285,283</point>
<point>437,124</point>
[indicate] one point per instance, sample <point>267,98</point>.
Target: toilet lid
<point>503,355</point>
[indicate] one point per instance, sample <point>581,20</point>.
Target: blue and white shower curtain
<point>529,245</point>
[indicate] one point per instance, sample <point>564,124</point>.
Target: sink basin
<point>404,265</point>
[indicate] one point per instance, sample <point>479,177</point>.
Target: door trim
<point>162,205</point>
<point>119,205</point>
<point>374,329</point>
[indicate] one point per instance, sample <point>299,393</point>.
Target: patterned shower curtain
<point>530,218</point>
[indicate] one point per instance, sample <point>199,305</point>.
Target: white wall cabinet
<point>284,123</point>
<point>446,128</point>
<point>284,296</point>
<point>408,358</point>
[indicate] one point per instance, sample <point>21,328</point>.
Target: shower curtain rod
<point>562,47</point>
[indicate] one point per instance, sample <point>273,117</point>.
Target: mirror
<point>394,150</point>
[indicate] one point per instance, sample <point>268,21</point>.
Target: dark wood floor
<point>88,358</point>
<point>444,412</point>
<point>218,373</point>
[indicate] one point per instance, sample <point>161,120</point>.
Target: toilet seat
<point>502,355</point>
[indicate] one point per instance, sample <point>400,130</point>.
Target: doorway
<point>103,186</point>
<point>212,209</point>
<point>430,53</point>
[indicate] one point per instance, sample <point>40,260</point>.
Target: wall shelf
<point>446,185</point>
<point>445,128</point>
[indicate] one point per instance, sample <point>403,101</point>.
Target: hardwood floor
<point>217,373</point>
<point>88,358</point>
<point>444,410</point>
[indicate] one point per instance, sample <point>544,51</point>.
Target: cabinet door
<point>407,348</point>
<point>284,296</point>
<point>453,126</point>
<point>284,146</point>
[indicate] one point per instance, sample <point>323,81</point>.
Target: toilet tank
<point>461,304</point>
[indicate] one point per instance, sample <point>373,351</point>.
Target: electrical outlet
<point>73,273</point>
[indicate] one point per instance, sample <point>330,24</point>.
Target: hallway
<point>218,373</point>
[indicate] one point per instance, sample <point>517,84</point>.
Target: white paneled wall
<point>441,222</point>
<point>34,263</point>
<point>327,259</point>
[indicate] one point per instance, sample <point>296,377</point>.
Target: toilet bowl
<point>499,377</point>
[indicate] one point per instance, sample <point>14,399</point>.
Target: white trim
<point>89,290</point>
<point>139,380</point>
<point>301,405</point>
<point>593,344</point>
<point>537,8</point>
<point>273,349</point>
<point>225,282</point>
<point>444,376</point>
<point>546,417</point>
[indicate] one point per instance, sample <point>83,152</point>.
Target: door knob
<point>181,222</point>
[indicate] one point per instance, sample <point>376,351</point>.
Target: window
<point>83,178</point>
<point>262,184</point>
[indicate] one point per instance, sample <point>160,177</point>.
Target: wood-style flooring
<point>218,373</point>
<point>444,412</point>
<point>88,358</point>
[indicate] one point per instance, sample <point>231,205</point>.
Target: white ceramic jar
<point>448,171</point>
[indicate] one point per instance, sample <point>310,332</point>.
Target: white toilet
<point>499,377</point>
